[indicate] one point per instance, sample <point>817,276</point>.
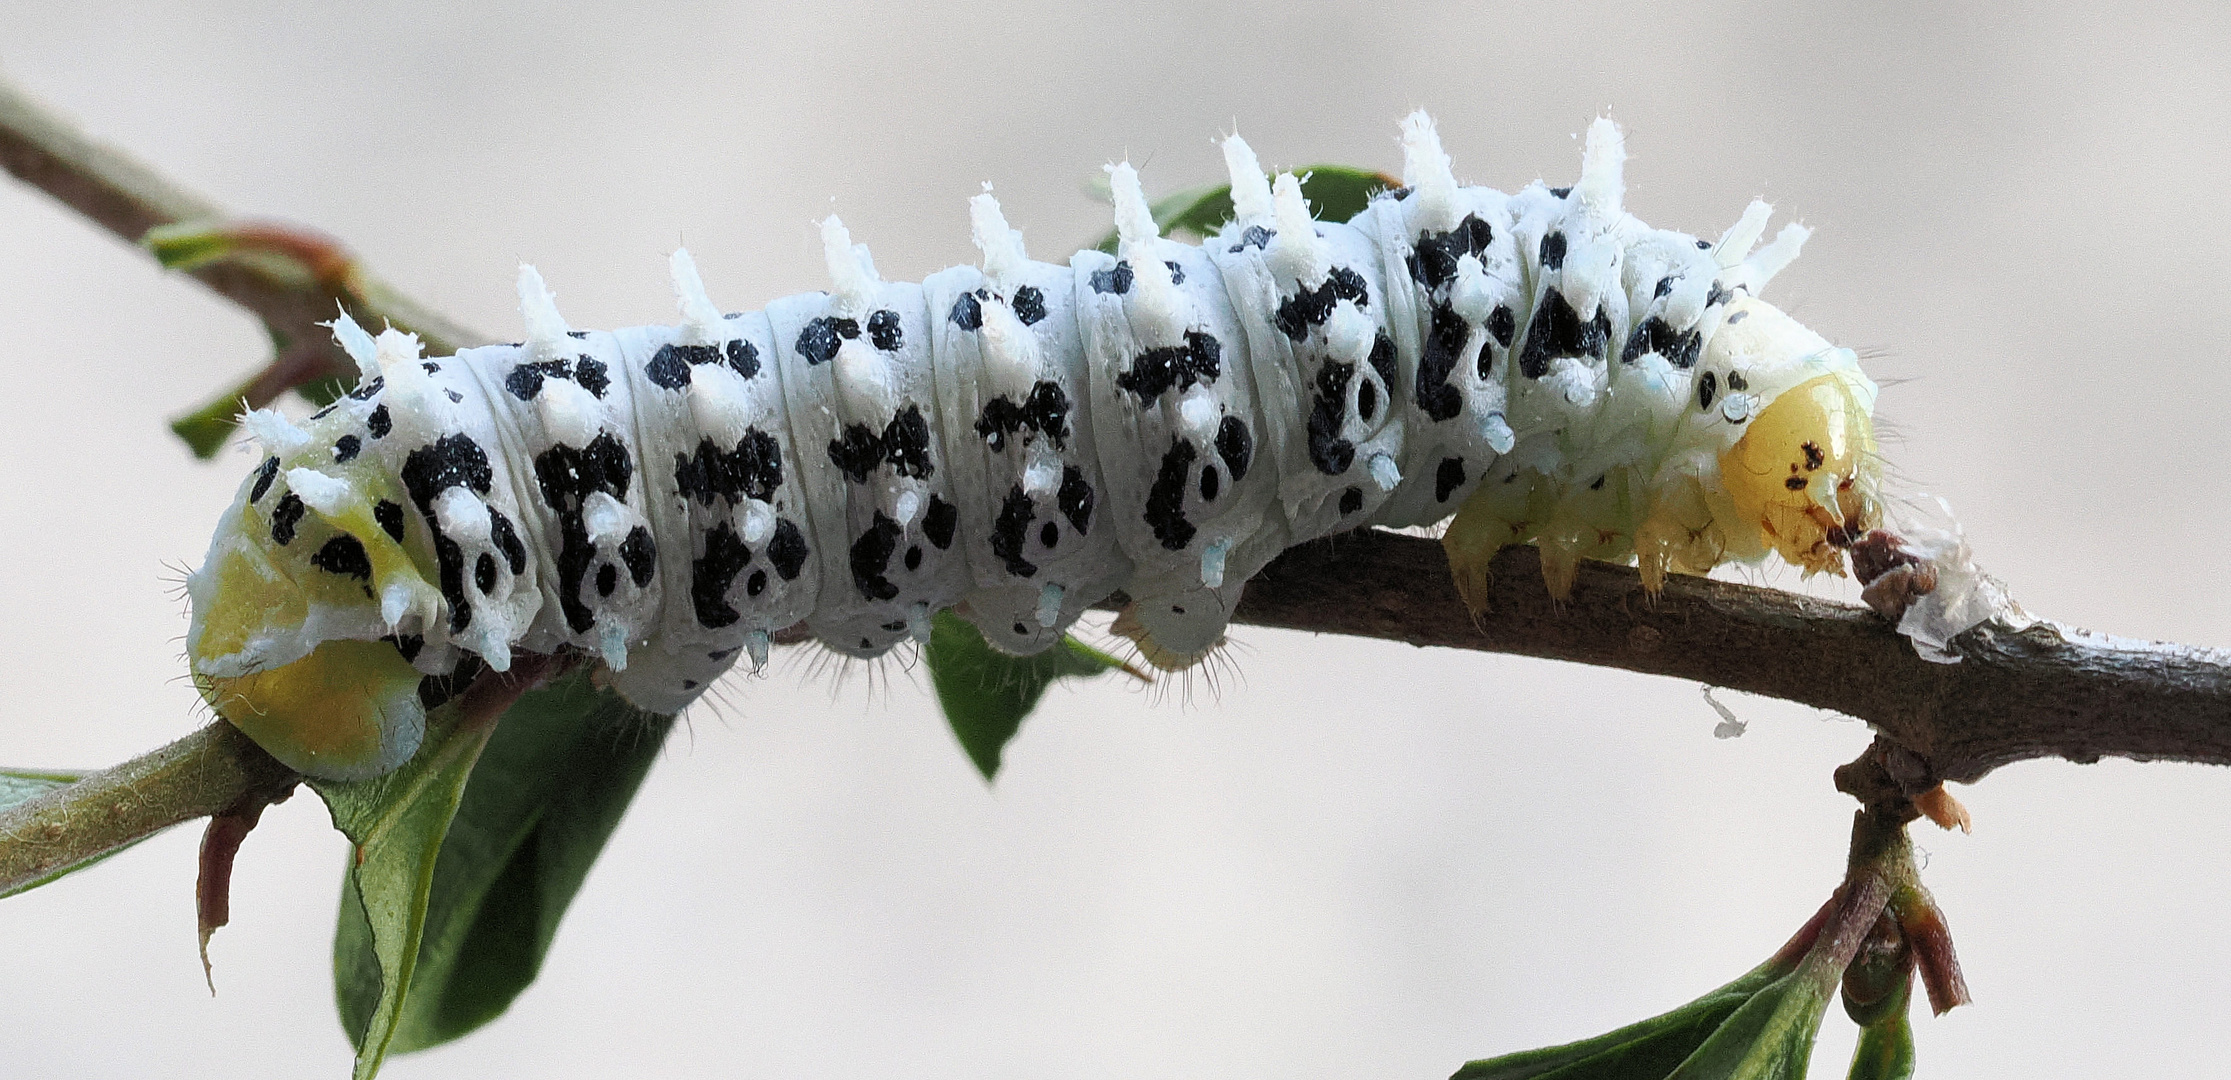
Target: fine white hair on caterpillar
<point>1019,440</point>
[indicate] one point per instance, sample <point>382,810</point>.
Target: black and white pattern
<point>1018,441</point>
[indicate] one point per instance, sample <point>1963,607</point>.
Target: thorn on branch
<point>220,843</point>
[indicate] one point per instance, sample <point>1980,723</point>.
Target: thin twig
<point>2043,692</point>
<point>129,199</point>
<point>202,774</point>
<point>2047,691</point>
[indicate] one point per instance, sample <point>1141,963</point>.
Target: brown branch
<point>2048,691</point>
<point>205,773</point>
<point>2042,692</point>
<point>129,199</point>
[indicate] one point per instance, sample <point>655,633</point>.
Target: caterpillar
<point>1019,440</point>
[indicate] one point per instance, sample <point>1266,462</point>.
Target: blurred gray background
<point>1357,859</point>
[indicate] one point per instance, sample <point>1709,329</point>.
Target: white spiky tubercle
<point>1021,440</point>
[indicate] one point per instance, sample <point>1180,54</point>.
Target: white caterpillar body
<point>1016,441</point>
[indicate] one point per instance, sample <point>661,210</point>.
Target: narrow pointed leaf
<point>1760,1026</point>
<point>1648,1048</point>
<point>22,785</point>
<point>986,693</point>
<point>397,823</point>
<point>1769,1038</point>
<point>190,244</point>
<point>549,788</point>
<point>206,429</point>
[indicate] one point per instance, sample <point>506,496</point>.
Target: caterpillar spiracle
<point>1018,440</point>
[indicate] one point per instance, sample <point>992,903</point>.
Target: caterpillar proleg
<point>1018,440</point>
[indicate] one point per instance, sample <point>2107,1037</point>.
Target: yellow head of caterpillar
<point>1771,450</point>
<point>349,710</point>
<point>1805,476</point>
<point>304,577</point>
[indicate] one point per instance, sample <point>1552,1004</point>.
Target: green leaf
<point>286,254</point>
<point>186,245</point>
<point>205,430</point>
<point>1770,1037</point>
<point>1759,1027</point>
<point>1649,1048</point>
<point>397,822</point>
<point>324,392</point>
<point>549,789</point>
<point>986,693</point>
<point>23,785</point>
<point>1335,193</point>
